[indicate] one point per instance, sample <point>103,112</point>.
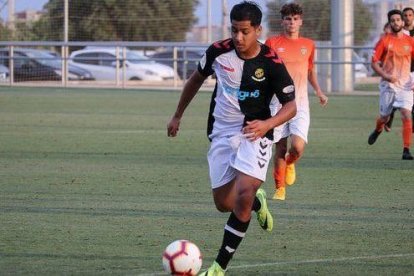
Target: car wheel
<point>134,79</point>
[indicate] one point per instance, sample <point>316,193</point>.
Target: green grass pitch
<point>90,184</point>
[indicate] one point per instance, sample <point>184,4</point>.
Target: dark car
<point>187,60</point>
<point>33,64</point>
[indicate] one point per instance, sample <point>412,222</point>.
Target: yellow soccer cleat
<point>214,270</point>
<point>280,194</point>
<point>290,174</point>
<point>263,215</point>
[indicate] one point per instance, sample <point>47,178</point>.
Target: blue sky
<point>201,11</point>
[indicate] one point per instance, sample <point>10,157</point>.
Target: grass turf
<point>90,184</point>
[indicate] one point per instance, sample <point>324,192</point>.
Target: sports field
<point>90,184</point>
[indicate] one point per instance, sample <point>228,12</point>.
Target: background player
<point>408,17</point>
<point>240,125</point>
<point>392,61</point>
<point>297,54</point>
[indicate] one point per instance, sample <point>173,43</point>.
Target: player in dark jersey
<point>240,125</point>
<point>408,16</point>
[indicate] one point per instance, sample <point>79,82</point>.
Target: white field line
<point>344,259</point>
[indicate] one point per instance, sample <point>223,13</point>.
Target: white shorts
<point>393,98</point>
<point>298,125</point>
<point>227,155</point>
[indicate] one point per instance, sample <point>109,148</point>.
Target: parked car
<point>187,61</point>
<point>34,64</point>
<point>101,62</point>
<point>4,73</point>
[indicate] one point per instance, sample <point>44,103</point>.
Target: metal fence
<point>138,64</point>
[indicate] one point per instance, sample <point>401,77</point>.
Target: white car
<point>101,62</point>
<point>4,73</point>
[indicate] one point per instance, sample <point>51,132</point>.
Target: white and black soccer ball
<point>182,257</point>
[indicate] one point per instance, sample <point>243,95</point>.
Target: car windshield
<point>137,58</point>
<point>45,58</point>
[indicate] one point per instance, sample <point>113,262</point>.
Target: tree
<point>118,20</point>
<point>317,19</point>
<point>4,33</point>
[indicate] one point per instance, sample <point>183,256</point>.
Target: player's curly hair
<point>291,9</point>
<point>247,10</point>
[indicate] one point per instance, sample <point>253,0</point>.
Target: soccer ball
<point>182,257</point>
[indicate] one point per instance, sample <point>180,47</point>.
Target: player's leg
<point>279,169</point>
<point>388,124</point>
<point>296,150</point>
<point>251,162</point>
<point>404,101</point>
<point>379,126</point>
<point>222,175</point>
<point>412,118</point>
<point>386,101</point>
<point>238,222</point>
<point>406,133</point>
<point>298,128</point>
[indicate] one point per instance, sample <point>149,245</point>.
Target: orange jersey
<point>297,55</point>
<point>395,54</point>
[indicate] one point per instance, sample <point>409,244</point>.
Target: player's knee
<point>244,198</point>
<point>281,151</point>
<point>296,151</point>
<point>223,206</point>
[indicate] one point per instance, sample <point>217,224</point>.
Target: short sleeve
<point>378,51</point>
<point>205,65</point>
<point>282,83</point>
<point>311,57</point>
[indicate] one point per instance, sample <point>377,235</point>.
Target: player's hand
<point>392,79</point>
<point>323,99</point>
<point>255,129</point>
<point>173,127</point>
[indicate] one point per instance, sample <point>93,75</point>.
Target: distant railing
<point>11,57</point>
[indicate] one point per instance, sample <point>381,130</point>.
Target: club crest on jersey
<point>259,75</point>
<point>303,50</point>
<point>406,48</point>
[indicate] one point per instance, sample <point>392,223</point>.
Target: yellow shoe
<point>263,215</point>
<point>280,193</point>
<point>214,270</point>
<point>290,174</point>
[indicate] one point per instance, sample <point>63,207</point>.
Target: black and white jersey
<point>244,88</point>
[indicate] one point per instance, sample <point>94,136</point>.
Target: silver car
<point>4,73</point>
<point>101,62</point>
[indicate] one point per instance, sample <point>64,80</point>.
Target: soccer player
<point>408,17</point>
<point>240,124</point>
<point>297,54</point>
<point>392,60</point>
<point>387,28</point>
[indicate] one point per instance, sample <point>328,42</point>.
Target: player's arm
<point>287,112</point>
<point>313,80</point>
<point>258,128</point>
<point>190,89</point>
<point>376,66</point>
